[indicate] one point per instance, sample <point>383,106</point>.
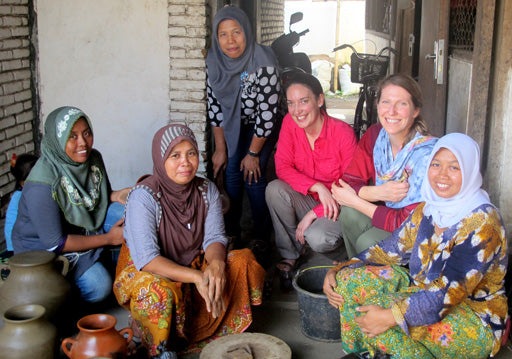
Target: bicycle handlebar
<point>344,46</point>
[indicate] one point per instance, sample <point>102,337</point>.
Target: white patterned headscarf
<point>448,211</point>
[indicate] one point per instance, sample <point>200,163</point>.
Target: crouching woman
<point>173,274</point>
<point>451,302</point>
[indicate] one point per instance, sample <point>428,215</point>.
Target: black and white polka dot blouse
<point>260,100</point>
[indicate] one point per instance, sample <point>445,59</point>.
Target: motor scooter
<point>283,48</point>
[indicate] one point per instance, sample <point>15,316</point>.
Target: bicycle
<point>368,70</point>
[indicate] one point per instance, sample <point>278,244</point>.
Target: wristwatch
<point>253,154</point>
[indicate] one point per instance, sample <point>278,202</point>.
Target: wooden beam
<point>480,76</point>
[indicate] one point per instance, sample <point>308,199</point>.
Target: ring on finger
<point>251,172</point>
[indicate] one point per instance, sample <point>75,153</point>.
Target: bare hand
<point>216,279</point>
<point>343,193</point>
<point>335,299</point>
<point>121,195</point>
<point>202,286</point>
<point>374,320</point>
<point>251,167</point>
<point>331,208</point>
<point>115,233</point>
<point>392,191</point>
<point>219,161</point>
<point>303,225</point>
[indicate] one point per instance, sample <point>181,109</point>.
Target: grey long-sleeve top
<point>143,214</point>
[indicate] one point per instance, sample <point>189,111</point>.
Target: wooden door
<point>433,62</point>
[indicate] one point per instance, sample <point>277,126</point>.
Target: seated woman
<point>313,151</point>
<point>64,203</point>
<point>381,186</point>
<point>451,303</point>
<point>173,274</point>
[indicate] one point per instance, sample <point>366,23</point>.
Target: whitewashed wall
<point>320,18</point>
<point>111,59</point>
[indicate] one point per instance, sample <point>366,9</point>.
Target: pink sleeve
<point>389,219</point>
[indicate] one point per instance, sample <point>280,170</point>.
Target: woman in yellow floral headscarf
<point>451,302</point>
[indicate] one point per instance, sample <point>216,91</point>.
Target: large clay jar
<point>27,334</point>
<point>98,337</point>
<point>35,279</point>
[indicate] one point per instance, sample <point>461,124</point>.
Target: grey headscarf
<point>224,73</point>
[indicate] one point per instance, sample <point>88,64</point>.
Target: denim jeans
<point>235,186</point>
<point>95,284</point>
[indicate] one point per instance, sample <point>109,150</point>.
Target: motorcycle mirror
<point>294,18</point>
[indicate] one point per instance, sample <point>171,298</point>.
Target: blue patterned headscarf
<point>410,164</point>
<point>449,211</point>
<point>80,189</point>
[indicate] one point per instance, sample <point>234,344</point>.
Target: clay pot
<point>34,279</point>
<point>27,334</point>
<point>98,337</point>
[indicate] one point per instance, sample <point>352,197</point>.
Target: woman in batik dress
<point>451,301</point>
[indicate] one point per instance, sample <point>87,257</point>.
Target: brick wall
<point>187,37</point>
<point>16,109</point>
<point>272,20</point>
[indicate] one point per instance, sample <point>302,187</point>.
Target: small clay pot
<point>98,337</point>
<point>27,334</point>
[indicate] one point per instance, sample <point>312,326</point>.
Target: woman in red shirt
<point>313,151</point>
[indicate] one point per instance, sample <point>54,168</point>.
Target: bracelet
<point>253,154</point>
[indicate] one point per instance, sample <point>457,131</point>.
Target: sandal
<point>285,275</point>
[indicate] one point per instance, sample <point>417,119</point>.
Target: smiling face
<point>304,106</point>
<point>231,38</point>
<point>80,140</point>
<point>444,174</point>
<point>182,163</point>
<point>396,111</point>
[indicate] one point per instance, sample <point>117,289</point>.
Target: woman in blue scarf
<point>381,186</point>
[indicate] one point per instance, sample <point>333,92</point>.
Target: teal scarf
<point>80,189</point>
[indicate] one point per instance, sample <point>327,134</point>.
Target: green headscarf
<point>80,189</point>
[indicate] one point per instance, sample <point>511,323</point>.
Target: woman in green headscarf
<point>64,202</point>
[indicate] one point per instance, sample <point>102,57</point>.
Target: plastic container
<point>319,320</point>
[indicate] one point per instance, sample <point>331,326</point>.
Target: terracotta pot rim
<point>97,322</point>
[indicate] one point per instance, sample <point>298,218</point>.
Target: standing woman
<point>173,274</point>
<point>64,202</point>
<point>451,302</point>
<point>381,186</point>
<point>242,89</point>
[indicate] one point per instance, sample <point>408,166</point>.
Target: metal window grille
<point>462,24</point>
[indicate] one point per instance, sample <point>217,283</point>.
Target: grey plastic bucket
<point>319,320</point>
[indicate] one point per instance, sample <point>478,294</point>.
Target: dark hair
<point>22,167</point>
<point>305,79</point>
<point>411,86</point>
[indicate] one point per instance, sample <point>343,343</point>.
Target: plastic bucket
<point>319,320</point>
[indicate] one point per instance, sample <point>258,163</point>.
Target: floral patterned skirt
<point>460,334</point>
<point>172,312</point>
